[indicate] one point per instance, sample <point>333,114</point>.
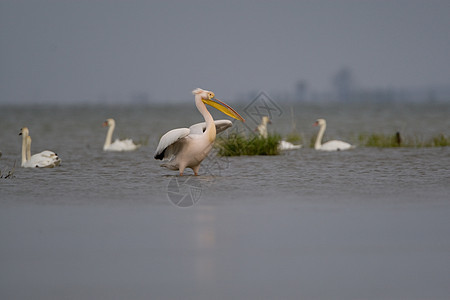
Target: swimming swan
<point>44,159</point>
<point>333,145</point>
<point>118,145</point>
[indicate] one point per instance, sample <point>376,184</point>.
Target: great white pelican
<point>183,148</point>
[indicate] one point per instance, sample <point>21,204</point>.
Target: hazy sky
<point>63,51</point>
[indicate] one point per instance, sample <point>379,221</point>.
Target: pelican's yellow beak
<point>225,108</point>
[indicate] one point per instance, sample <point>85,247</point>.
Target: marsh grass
<point>380,140</point>
<point>440,141</point>
<point>396,140</point>
<point>8,173</point>
<point>238,144</point>
<point>312,140</point>
<point>294,138</point>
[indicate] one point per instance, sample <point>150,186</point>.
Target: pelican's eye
<point>211,95</point>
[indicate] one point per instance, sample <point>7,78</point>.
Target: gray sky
<point>67,51</point>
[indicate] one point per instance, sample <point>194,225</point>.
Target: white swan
<point>118,145</point>
<point>262,130</point>
<point>333,145</point>
<point>284,145</point>
<point>44,159</point>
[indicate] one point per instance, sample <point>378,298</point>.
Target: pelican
<point>183,148</point>
<point>283,145</point>
<point>333,145</point>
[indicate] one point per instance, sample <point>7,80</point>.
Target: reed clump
<point>396,140</point>
<point>8,173</point>
<point>440,141</point>
<point>294,138</point>
<point>381,140</point>
<point>238,144</point>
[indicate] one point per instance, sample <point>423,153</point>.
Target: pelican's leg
<point>195,169</point>
<point>181,168</point>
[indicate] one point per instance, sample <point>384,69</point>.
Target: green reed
<point>396,140</point>
<point>8,173</point>
<point>238,144</point>
<point>294,138</point>
<point>440,141</point>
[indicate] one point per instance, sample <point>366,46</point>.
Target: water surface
<point>363,224</point>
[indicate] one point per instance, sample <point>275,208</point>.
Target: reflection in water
<point>205,238</point>
<point>184,191</point>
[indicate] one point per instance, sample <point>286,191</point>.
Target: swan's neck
<point>109,136</point>
<point>28,149</point>
<point>318,143</point>
<point>210,131</point>
<point>263,130</point>
<point>24,149</point>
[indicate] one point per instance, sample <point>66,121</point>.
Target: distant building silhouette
<point>301,90</point>
<point>343,84</point>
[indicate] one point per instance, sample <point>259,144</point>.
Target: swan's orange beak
<point>105,124</point>
<point>316,123</point>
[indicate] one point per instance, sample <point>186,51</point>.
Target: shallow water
<point>367,223</point>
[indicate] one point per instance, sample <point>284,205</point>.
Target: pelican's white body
<point>187,147</point>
